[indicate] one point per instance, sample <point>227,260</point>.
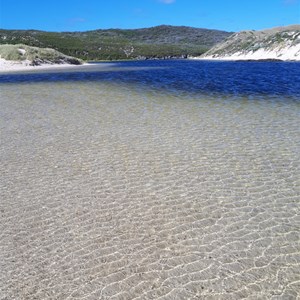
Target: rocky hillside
<point>281,43</point>
<point>156,42</point>
<point>35,56</point>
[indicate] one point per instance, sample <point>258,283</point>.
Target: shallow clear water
<point>146,180</point>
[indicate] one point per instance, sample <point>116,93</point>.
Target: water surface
<point>147,180</point>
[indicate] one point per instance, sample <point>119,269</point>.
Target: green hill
<point>155,42</point>
<point>35,56</point>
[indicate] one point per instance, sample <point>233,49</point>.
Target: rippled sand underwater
<point>116,191</point>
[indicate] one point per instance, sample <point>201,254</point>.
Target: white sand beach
<point>13,66</point>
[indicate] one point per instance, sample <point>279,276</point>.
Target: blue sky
<point>81,15</point>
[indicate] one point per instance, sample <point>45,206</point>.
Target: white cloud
<point>167,1</point>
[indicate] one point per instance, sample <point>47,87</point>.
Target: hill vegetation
<point>35,56</point>
<point>156,42</point>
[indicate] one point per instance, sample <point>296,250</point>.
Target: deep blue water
<point>209,77</point>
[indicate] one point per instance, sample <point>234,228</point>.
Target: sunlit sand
<point>118,191</point>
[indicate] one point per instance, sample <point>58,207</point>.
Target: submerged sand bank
<point>113,191</point>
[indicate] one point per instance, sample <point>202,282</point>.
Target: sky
<point>82,15</point>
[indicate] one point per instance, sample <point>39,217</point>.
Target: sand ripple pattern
<point>111,191</point>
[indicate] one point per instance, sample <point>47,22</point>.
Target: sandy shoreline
<point>18,66</point>
<point>243,58</point>
<point>7,66</point>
